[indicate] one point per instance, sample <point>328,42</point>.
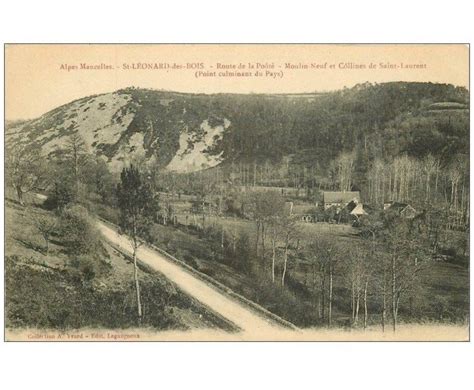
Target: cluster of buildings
<point>349,202</point>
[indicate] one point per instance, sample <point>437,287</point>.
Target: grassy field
<point>46,290</point>
<point>236,225</point>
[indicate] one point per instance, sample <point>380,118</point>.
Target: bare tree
<point>290,232</point>
<point>356,270</point>
<point>267,208</point>
<point>375,264</point>
<point>345,170</point>
<point>25,169</point>
<point>274,230</point>
<point>272,212</point>
<point>407,255</point>
<point>76,153</point>
<point>429,165</point>
<point>329,257</point>
<point>46,226</point>
<point>314,253</point>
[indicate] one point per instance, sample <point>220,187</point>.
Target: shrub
<point>104,211</point>
<point>78,233</point>
<point>89,267</point>
<point>283,302</point>
<point>50,298</point>
<point>62,195</point>
<point>46,226</point>
<point>189,259</point>
<point>243,259</point>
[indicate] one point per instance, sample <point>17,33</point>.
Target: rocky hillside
<point>191,132</point>
<point>120,126</point>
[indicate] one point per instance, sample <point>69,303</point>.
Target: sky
<point>39,78</point>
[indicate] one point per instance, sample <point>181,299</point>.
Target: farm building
<point>284,191</point>
<point>401,209</point>
<point>339,199</point>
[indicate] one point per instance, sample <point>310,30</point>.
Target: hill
<point>189,132</point>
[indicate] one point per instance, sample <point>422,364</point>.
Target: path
<point>244,317</point>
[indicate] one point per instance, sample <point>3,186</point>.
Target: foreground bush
<point>43,297</point>
<point>78,233</point>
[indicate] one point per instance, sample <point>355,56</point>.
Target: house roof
<point>340,196</point>
<point>400,208</point>
<point>358,210</point>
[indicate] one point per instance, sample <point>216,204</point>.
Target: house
<point>403,210</point>
<point>339,199</point>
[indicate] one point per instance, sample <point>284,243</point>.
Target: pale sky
<point>35,82</point>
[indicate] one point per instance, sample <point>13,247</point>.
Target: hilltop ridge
<point>185,132</point>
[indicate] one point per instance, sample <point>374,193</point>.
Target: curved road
<point>236,312</point>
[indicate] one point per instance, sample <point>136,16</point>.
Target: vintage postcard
<point>237,192</point>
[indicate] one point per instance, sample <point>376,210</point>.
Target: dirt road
<point>236,312</point>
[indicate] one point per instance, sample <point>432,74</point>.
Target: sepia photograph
<point>237,192</point>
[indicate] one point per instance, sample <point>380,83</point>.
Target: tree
<point>25,169</point>
<point>398,253</point>
<point>289,231</point>
<point>242,253</point>
<point>263,207</point>
<point>77,156</point>
<point>251,204</point>
<point>138,208</point>
<point>314,255</point>
<point>270,213</point>
<point>98,179</point>
<point>345,169</point>
<point>375,265</point>
<point>328,256</point>
<point>79,235</point>
<point>361,168</point>
<point>274,238</point>
<point>332,264</point>
<point>61,195</point>
<point>429,165</point>
<point>407,251</point>
<point>46,226</point>
<point>356,274</point>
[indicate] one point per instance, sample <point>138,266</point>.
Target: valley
<point>343,210</point>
